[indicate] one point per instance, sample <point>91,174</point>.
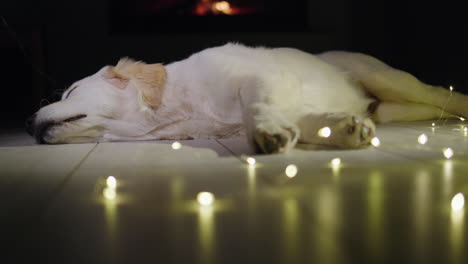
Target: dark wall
<point>70,40</point>
<point>426,38</point>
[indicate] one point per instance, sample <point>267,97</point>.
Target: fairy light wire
<point>442,111</point>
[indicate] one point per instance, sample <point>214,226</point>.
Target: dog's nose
<point>30,124</point>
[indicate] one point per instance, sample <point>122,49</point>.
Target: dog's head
<point>114,102</point>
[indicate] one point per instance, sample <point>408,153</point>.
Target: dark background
<point>50,44</point>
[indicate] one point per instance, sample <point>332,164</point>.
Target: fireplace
<point>145,17</point>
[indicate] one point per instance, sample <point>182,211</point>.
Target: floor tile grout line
<point>36,217</point>
<point>242,161</point>
<point>237,156</point>
<point>61,185</point>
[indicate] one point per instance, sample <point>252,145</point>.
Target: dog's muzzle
<point>38,131</point>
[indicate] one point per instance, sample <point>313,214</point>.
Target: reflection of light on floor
<point>422,205</point>
<point>206,235</point>
<point>177,188</point>
<point>375,209</point>
<point>251,181</point>
<point>447,177</point>
<point>109,193</point>
<point>335,165</point>
<point>326,239</point>
<point>290,230</point>
<point>457,219</point>
<point>111,219</point>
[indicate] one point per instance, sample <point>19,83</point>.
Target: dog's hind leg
<point>395,86</point>
<point>392,85</point>
<point>401,112</point>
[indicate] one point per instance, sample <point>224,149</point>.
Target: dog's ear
<point>111,76</point>
<point>149,79</point>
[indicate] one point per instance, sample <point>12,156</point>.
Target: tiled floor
<point>390,204</point>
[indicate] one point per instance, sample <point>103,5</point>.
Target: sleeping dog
<point>276,97</point>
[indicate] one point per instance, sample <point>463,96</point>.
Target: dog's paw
<point>273,138</point>
<point>352,132</point>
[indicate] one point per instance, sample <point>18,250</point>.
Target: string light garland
<point>176,145</point>
<point>445,106</point>
<point>448,153</point>
<point>111,182</point>
<point>251,161</point>
<point>291,171</point>
<point>110,191</point>
<point>205,198</point>
<point>422,139</point>
<point>335,163</point>
<point>458,202</point>
<point>324,132</point>
<point>375,142</point>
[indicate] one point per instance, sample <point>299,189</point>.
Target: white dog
<point>277,97</point>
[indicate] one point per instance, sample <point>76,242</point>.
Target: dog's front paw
<point>352,132</point>
<point>274,138</point>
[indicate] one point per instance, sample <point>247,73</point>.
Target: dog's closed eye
<point>74,118</point>
<point>71,90</point>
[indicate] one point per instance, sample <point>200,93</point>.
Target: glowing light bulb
<point>433,124</point>
<point>422,139</point>
<point>291,170</point>
<point>465,129</point>
<point>375,141</point>
<point>335,163</point>
<point>109,193</point>
<point>205,198</point>
<point>461,118</point>
<point>251,161</point>
<point>176,145</point>
<point>451,88</point>
<point>448,153</point>
<point>223,7</point>
<point>111,182</point>
<point>324,132</point>
<point>458,202</point>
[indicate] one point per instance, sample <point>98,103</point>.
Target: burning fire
<point>205,7</point>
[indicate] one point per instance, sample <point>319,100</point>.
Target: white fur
<point>274,95</point>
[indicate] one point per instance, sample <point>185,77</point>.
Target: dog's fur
<point>277,97</point>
